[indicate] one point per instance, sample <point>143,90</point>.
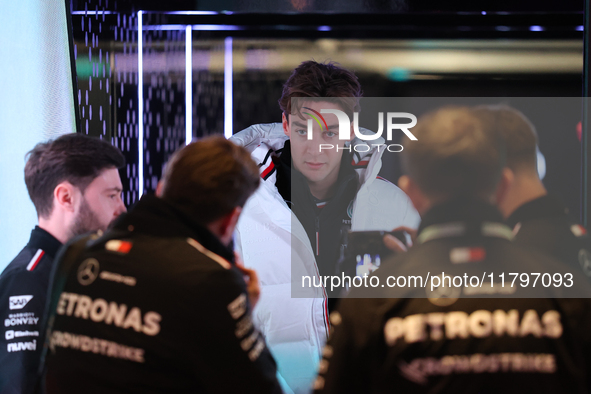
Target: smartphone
<point>366,250</point>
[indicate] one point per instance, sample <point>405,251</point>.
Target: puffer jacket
<point>272,241</point>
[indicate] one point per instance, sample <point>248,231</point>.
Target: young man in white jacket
<point>293,225</point>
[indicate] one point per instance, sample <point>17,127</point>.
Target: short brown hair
<point>76,158</point>
<point>313,79</point>
<point>517,132</point>
<point>209,178</point>
<point>453,155</point>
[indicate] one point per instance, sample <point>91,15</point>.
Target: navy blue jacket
<point>23,290</point>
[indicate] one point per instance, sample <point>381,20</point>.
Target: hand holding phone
<point>400,239</point>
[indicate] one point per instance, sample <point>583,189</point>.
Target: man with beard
<point>168,307</point>
<point>74,183</point>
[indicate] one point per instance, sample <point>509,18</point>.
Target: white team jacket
<point>274,243</point>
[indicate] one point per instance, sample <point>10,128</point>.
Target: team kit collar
<point>156,217</point>
<point>460,218</point>
<point>542,207</point>
<point>41,239</point>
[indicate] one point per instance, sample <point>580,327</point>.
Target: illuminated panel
<point>228,94</point>
<point>36,104</point>
<point>188,85</point>
<point>140,95</point>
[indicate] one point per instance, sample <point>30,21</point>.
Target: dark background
<point>107,86</point>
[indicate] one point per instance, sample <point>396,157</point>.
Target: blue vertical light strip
<point>140,99</point>
<point>188,85</point>
<point>228,94</point>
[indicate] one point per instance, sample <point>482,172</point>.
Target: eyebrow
<point>114,189</point>
<point>330,127</point>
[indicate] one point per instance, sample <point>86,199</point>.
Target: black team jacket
<point>23,290</point>
<point>461,340</point>
<point>156,305</point>
<point>545,225</point>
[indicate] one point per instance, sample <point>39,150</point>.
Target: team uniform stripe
<point>360,164</point>
<point>35,260</point>
<point>325,309</point>
<point>326,317</point>
<point>266,157</point>
<point>317,244</point>
<point>217,258</point>
<point>268,171</point>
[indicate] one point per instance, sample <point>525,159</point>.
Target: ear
<point>65,196</point>
<point>159,189</point>
<point>505,183</point>
<point>285,122</point>
<point>412,190</point>
<point>228,224</point>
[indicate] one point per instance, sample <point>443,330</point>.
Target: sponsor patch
<point>27,321</point>
<point>243,327</point>
<point>20,346</point>
<point>11,334</point>
<point>420,369</point>
<point>19,302</point>
<point>101,311</point>
<point>237,307</point>
<point>256,350</point>
<point>99,346</point>
<point>578,230</point>
<point>436,326</point>
<point>114,277</point>
<point>247,342</point>
<point>350,209</point>
<point>88,271</point>
<point>466,255</point>
<point>118,246</point>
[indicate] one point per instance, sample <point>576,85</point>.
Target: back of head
<point>76,158</point>
<point>453,156</point>
<point>518,134</point>
<point>313,79</point>
<point>209,178</point>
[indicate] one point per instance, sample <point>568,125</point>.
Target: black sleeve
<point>230,354</point>
<point>343,367</point>
<point>22,304</point>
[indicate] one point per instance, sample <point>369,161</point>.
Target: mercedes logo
<point>88,271</point>
<point>442,295</point>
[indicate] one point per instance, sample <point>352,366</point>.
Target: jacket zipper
<point>325,300</point>
<point>317,235</point>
